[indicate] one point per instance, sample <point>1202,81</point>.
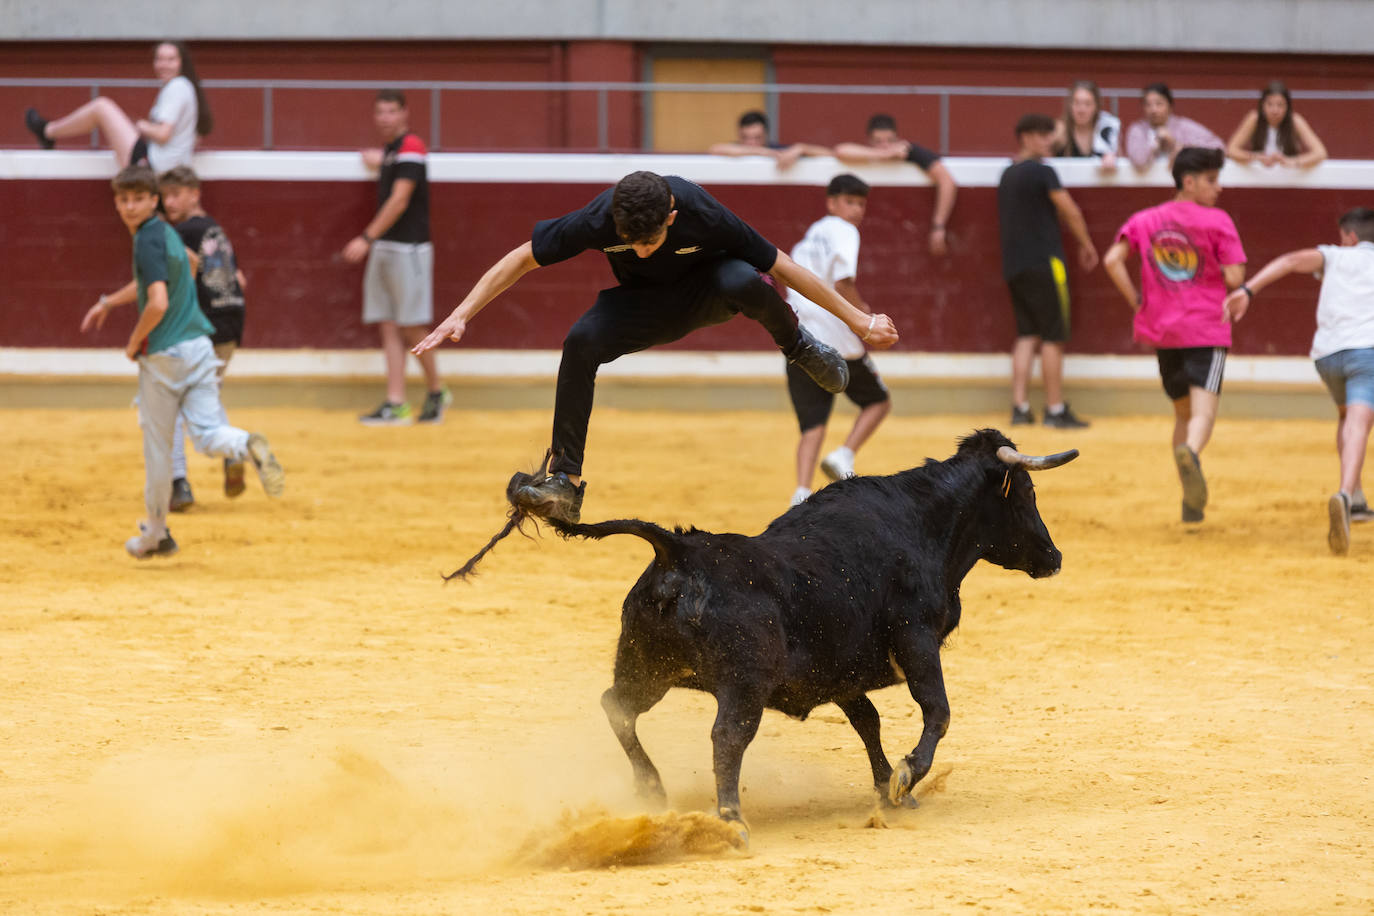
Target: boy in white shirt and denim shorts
<point>830,250</point>
<point>1343,348</point>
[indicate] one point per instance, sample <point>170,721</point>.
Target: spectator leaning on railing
<point>164,140</point>
<point>1086,128</point>
<point>1275,134</point>
<point>1160,134</point>
<point>751,139</point>
<point>884,145</point>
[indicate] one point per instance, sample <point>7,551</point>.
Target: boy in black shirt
<point>1030,205</point>
<point>219,290</point>
<point>683,262</point>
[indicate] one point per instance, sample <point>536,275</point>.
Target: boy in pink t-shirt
<point>1191,257</point>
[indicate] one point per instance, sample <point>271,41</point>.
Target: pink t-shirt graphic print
<point>1183,246</point>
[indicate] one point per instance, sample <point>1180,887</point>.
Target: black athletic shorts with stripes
<point>813,403</point>
<point>1183,367</point>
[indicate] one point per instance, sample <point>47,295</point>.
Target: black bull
<point>853,590</point>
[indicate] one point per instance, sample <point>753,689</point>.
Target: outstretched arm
<point>1303,261</point>
<point>877,331</point>
<point>498,278</point>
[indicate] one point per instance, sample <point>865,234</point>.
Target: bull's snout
<point>1047,564</point>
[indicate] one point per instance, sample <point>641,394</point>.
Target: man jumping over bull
<point>683,262</point>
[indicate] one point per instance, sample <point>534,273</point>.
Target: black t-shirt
<point>405,157</point>
<point>1029,221</point>
<point>217,282</point>
<point>920,156</point>
<point>703,230</point>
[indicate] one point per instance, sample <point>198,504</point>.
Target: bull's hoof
<point>732,817</point>
<point>905,801</point>
<point>901,783</point>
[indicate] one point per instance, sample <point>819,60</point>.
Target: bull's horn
<point>1010,455</point>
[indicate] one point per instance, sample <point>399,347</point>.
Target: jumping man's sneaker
<point>233,478</point>
<point>839,464</point>
<point>388,414</point>
<point>36,124</point>
<point>1338,536</point>
<point>1064,418</point>
<point>148,545</point>
<point>435,402</point>
<point>1021,416</point>
<point>1359,512</point>
<point>1194,484</point>
<point>821,361</point>
<point>182,498</point>
<point>269,470</point>
<point>553,497</point>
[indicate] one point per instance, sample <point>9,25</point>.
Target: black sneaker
<point>435,402</point>
<point>35,123</point>
<point>1021,416</point>
<point>1194,484</point>
<point>388,414</point>
<point>1065,418</point>
<point>182,499</point>
<point>822,362</point>
<point>553,497</point>
<point>1359,512</point>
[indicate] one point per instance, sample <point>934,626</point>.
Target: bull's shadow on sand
<point>853,590</point>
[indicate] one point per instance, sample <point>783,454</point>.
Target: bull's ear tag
<point>1006,483</point>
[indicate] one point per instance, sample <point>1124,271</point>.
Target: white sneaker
<point>799,496</point>
<point>839,464</point>
<point>148,544</point>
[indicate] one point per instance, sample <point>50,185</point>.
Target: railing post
<point>95,134</point>
<point>603,127</point>
<point>434,118</point>
<point>266,117</point>
<point>944,123</point>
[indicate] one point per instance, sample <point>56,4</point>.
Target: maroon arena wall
<point>61,245</point>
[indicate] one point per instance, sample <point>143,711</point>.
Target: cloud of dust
<point>310,819</point>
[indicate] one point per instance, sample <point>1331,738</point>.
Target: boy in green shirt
<point>176,361</point>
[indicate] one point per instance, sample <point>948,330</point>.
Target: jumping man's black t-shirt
<point>703,231</point>
<point>1028,218</point>
<point>217,281</point>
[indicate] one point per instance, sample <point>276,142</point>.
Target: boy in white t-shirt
<point>830,250</point>
<point>1343,348</point>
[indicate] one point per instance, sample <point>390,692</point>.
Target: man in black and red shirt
<point>683,261</point>
<point>398,285</point>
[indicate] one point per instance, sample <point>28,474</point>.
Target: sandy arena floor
<point>294,715</point>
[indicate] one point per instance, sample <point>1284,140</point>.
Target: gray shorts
<point>398,284</point>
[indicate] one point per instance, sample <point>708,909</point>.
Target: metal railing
<point>646,90</point>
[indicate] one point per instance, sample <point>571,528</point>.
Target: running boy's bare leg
<point>1352,438</point>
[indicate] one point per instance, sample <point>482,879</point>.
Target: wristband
<point>869,333</point>
<point>1248,291</point>
<point>366,238</point>
<point>102,300</point>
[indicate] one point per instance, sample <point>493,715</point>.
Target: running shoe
<point>388,414</point>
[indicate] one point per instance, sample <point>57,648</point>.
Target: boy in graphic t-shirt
<point>830,250</point>
<point>1191,256</point>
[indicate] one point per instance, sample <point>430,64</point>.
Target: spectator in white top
<point>1275,134</point>
<point>163,140</point>
<point>830,250</point>
<point>1343,348</point>
<point>1087,129</point>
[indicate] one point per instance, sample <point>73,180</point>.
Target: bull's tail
<point>661,539</point>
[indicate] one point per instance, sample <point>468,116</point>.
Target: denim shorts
<point>1349,376</point>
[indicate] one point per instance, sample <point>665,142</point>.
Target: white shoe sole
<point>269,470</point>
<point>1338,536</point>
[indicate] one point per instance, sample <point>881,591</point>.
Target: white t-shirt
<point>175,105</point>
<point>830,250</point>
<point>1345,307</point>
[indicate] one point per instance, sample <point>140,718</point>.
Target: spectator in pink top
<point>1160,134</point>
<point>1191,257</point>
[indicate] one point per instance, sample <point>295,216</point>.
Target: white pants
<point>224,352</point>
<point>181,380</point>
